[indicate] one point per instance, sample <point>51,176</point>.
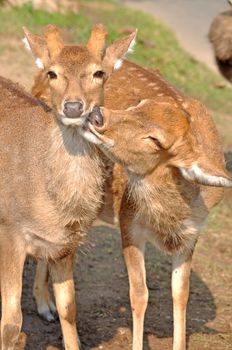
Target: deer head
<point>160,133</point>
<point>72,77</point>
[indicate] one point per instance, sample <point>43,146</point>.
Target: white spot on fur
<point>152,84</point>
<point>185,105</point>
<point>39,63</point>
<point>132,69</point>
<point>196,173</point>
<point>160,95</point>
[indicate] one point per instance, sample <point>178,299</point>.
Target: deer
<point>46,88</point>
<point>52,179</point>
<point>220,38</point>
<point>169,173</point>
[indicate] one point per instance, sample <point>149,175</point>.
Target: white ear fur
<point>197,174</point>
<point>39,63</point>
<point>132,45</point>
<point>26,44</point>
<point>119,62</point>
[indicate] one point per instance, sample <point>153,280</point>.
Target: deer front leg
<point>11,261</point>
<point>181,267</point>
<point>45,307</point>
<point>64,291</point>
<point>134,258</point>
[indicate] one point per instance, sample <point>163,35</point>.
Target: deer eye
<point>156,142</point>
<point>99,74</point>
<point>52,75</point>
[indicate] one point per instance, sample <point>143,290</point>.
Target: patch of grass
<point>157,46</point>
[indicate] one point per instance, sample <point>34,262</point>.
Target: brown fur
<point>51,179</point>
<point>51,191</point>
<point>159,197</point>
<point>153,142</point>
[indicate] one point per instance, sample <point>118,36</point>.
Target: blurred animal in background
<point>220,36</point>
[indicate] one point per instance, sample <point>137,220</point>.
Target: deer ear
<point>37,45</point>
<point>96,43</point>
<point>204,161</point>
<point>211,176</point>
<point>53,40</point>
<point>116,52</point>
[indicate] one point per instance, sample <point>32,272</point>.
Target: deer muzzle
<point>73,109</point>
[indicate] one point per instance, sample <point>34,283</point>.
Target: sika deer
<point>171,161</point>
<point>51,178</point>
<point>70,80</point>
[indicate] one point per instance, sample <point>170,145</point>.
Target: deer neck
<point>75,176</point>
<point>161,194</point>
<point>169,215</point>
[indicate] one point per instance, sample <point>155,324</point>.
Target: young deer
<point>51,178</point>
<point>71,80</point>
<point>171,174</point>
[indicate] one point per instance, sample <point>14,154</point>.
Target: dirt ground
<point>104,318</point>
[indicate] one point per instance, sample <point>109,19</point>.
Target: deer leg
<point>63,286</point>
<point>181,267</point>
<point>45,306</point>
<point>134,258</point>
<point>12,262</point>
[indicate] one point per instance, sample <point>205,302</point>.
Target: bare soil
<point>104,317</point>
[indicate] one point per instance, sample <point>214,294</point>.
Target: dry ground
<point>104,318</point>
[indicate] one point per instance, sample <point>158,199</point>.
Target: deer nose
<point>73,109</point>
<point>96,117</point>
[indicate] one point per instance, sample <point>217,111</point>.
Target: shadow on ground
<point>104,318</point>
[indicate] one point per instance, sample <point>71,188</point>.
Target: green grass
<point>157,46</point>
